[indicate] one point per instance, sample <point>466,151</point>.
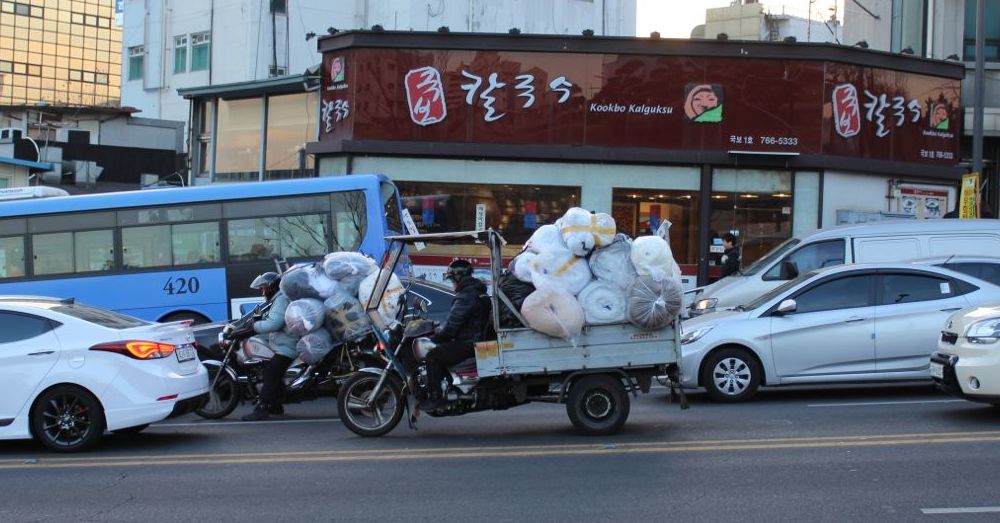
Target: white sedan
<point>850,323</point>
<point>70,371</point>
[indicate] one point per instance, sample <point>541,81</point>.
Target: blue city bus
<point>188,253</point>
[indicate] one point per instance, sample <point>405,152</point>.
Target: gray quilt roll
<point>652,304</point>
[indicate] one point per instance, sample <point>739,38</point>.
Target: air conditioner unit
<point>9,135</point>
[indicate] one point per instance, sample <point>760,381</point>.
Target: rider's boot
<point>435,399</point>
<point>261,411</point>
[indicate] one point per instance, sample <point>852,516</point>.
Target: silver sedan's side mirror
<point>787,306</point>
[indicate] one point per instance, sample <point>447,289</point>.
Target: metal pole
<point>977,96</point>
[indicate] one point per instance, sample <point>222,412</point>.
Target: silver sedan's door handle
<point>854,319</point>
<point>41,353</point>
<point>951,309</point>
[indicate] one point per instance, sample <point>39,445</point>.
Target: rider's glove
<point>227,331</point>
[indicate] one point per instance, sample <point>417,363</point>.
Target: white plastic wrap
<point>345,317</point>
<point>314,346</point>
<point>602,302</point>
<point>348,268</point>
<point>651,256</point>
<point>544,238</point>
<point>303,316</point>
<point>521,266</point>
<point>652,304</point>
<point>554,312</point>
<point>583,232</point>
<point>320,282</point>
<point>560,269</point>
<point>613,263</point>
<point>388,308</point>
<point>295,284</point>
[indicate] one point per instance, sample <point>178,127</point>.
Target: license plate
<point>937,370</point>
<point>186,353</point>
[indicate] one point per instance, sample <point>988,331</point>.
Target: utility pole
<point>977,96</point>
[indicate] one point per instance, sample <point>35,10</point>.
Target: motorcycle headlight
<point>689,337</point>
<point>985,331</point>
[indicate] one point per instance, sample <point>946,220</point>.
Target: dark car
<point>436,296</point>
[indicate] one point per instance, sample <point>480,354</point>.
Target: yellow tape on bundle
<point>592,228</point>
<point>566,266</point>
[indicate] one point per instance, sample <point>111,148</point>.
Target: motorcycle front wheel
<point>367,416</point>
<point>223,397</point>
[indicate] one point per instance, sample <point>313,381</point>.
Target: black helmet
<point>268,280</point>
<point>458,270</point>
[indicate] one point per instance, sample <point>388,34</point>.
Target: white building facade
<point>175,44</point>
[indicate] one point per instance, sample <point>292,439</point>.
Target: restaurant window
<point>755,205</point>
<point>291,124</point>
<point>640,212</point>
<point>516,211</point>
<point>237,155</point>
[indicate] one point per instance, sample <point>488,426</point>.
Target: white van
<point>884,241</point>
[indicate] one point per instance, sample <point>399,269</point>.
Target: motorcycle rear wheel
<point>384,413</point>
<point>222,398</point>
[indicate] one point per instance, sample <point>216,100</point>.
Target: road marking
<point>875,403</point>
<point>234,422</point>
<point>960,510</point>
<point>521,451</point>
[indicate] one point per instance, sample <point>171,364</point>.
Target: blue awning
<point>39,166</point>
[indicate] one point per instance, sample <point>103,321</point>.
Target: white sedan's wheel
<point>731,375</point>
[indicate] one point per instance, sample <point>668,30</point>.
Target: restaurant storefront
<point>767,140</point>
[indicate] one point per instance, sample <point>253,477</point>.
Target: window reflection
<point>291,123</point>
<point>239,135</point>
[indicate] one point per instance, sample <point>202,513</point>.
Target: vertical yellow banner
<point>968,199</point>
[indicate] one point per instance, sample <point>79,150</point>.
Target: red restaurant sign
<point>664,102</point>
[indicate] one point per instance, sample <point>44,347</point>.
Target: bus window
<point>196,243</point>
<point>286,236</point>
<point>146,246</point>
<point>12,257</point>
<point>390,204</point>
<point>65,252</point>
<point>350,220</point>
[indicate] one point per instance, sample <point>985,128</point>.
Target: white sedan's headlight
<point>705,304</point>
<point>985,331</point>
<point>689,337</point>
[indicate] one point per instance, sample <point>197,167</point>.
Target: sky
<point>676,18</point>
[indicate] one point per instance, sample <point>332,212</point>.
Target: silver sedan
<point>850,323</point>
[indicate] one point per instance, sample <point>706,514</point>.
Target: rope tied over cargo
<point>593,229</point>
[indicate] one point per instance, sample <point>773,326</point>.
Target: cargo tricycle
<point>593,375</point>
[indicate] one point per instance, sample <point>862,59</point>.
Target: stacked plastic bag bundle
<point>348,269</point>
<point>544,238</point>
<point>345,317</point>
<point>652,304</point>
<point>303,316</point>
<point>307,281</point>
<point>554,312</point>
<point>388,308</point>
<point>314,346</point>
<point>602,302</point>
<point>561,269</point>
<point>613,263</point>
<point>582,231</point>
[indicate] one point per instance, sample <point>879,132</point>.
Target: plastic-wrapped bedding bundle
<point>295,284</point>
<point>320,282</point>
<point>651,303</point>
<point>554,312</point>
<point>303,316</point>
<point>614,263</point>
<point>516,290</point>
<point>583,232</point>
<point>561,269</point>
<point>602,302</point>
<point>388,308</point>
<point>314,346</point>
<point>345,317</point>
<point>652,256</point>
<point>520,266</point>
<point>544,238</point>
<point>348,268</point>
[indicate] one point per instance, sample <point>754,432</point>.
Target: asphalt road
<point>845,454</point>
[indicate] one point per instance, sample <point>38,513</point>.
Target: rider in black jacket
<point>464,327</point>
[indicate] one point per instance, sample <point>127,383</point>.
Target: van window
<point>983,244</point>
<point>873,250</point>
<point>810,257</point>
